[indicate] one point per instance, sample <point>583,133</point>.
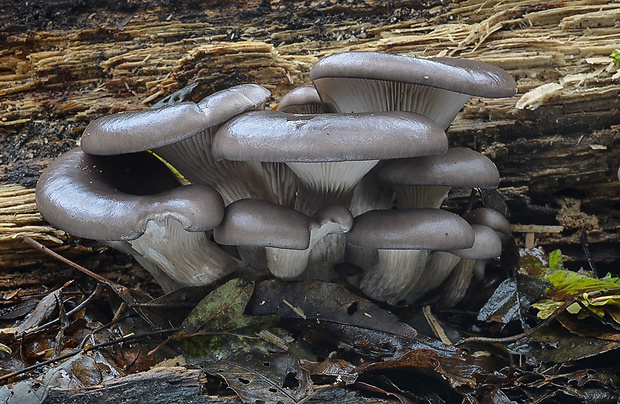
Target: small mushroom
<point>487,245</point>
<point>490,218</point>
<point>404,238</point>
<point>287,235</point>
<point>442,263</point>
<point>437,88</point>
<point>496,221</point>
<point>330,153</point>
<point>423,182</point>
<point>133,202</point>
<point>302,100</point>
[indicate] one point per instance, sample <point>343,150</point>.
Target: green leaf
<point>547,307</point>
<point>615,55</point>
<point>569,284</point>
<point>555,260</point>
<point>218,327</point>
<point>222,309</point>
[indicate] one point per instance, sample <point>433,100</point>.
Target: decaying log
<point>170,385</point>
<point>556,143</point>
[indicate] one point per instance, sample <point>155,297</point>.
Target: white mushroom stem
<point>325,249</point>
<point>326,183</point>
<point>188,258</point>
<point>395,270</point>
<point>439,266</point>
<point>455,286</point>
<point>163,280</point>
<point>421,196</point>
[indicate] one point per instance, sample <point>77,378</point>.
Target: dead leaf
<point>259,377</point>
<point>43,312</point>
<point>513,297</point>
<point>218,326</point>
<point>354,325</point>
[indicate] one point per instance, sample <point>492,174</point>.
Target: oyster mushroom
<point>135,204</point>
<point>287,235</point>
<point>404,238</point>
<point>424,182</point>
<point>182,135</point>
<point>487,245</point>
<point>302,100</point>
<point>436,88</point>
<point>330,153</point>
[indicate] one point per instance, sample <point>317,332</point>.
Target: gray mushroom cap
<point>487,245</point>
<point>491,218</point>
<point>94,197</point>
<point>459,167</point>
<point>336,214</point>
<point>301,100</point>
<point>458,75</point>
<point>253,222</point>
<point>142,130</point>
<point>272,136</point>
<point>408,229</point>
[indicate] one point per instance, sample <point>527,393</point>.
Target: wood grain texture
<point>556,143</point>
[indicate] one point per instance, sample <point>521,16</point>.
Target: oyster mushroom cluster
<point>352,170</point>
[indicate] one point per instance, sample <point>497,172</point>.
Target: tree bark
<point>556,143</point>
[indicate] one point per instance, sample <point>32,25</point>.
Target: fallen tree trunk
<point>555,143</point>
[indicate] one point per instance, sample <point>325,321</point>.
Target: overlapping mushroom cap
<point>280,137</point>
<point>302,100</point>
<point>152,128</point>
<point>286,176</point>
<point>330,153</point>
<point>425,181</point>
<point>182,135</point>
<point>133,202</point>
<point>113,197</point>
<point>404,238</point>
<point>436,88</point>
<point>287,235</point>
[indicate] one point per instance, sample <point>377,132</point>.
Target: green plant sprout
<point>615,56</point>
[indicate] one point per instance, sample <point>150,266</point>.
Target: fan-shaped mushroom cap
<point>182,135</point>
<point>459,75</point>
<point>301,100</point>
<point>408,229</point>
<point>113,197</point>
<point>487,245</point>
<point>287,235</point>
<point>437,88</point>
<point>252,222</point>
<point>404,238</point>
<point>152,128</point>
<point>330,153</point>
<point>459,167</point>
<point>491,218</point>
<point>280,137</point>
<point>132,202</point>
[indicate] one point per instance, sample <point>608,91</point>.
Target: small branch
<point>72,264</point>
<point>96,293</point>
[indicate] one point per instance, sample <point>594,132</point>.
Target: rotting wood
<point>563,143</point>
